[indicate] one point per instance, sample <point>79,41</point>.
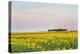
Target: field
<point>42,41</point>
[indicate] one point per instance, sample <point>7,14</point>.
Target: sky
<point>32,16</point>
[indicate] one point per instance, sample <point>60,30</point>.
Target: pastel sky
<point>31,16</point>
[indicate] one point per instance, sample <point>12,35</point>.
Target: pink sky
<point>28,16</point>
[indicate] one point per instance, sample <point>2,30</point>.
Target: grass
<point>43,41</point>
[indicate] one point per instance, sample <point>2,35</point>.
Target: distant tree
<point>57,30</point>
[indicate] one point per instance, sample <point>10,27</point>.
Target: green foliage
<point>44,42</point>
